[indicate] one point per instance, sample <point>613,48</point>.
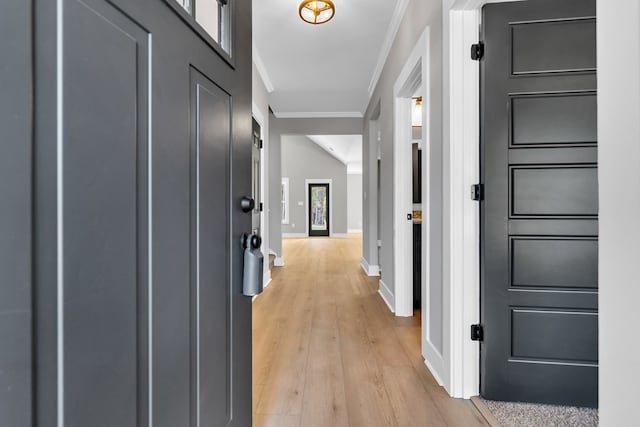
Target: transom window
<point>214,17</point>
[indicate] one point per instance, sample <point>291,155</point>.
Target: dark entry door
<point>540,215</point>
<point>142,155</point>
<point>319,210</point>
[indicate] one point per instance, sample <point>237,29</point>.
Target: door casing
<point>461,275</point>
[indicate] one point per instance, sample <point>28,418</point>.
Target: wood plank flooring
<point>328,352</point>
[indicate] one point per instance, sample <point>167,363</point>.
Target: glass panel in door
<point>319,210</point>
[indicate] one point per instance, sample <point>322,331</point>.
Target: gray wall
<point>619,178</point>
<point>419,14</point>
<point>303,159</point>
<point>354,202</point>
<point>310,126</point>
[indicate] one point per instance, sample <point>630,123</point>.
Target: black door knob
<point>247,204</point>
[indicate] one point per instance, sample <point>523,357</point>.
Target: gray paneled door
<point>142,152</point>
<point>539,287</point>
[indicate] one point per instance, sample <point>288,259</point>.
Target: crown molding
<point>257,60</point>
<point>392,31</point>
<point>319,115</point>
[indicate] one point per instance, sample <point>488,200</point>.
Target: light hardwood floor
<point>328,352</point>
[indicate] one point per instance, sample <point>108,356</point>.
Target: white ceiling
<point>322,69</point>
<point>346,148</point>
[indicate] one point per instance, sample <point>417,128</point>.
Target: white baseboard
<point>370,270</point>
<point>339,235</point>
<point>266,279</point>
<point>435,362</point>
<point>434,373</point>
<point>278,262</point>
<point>272,252</point>
<point>354,230</point>
<point>386,295</point>
<point>293,235</point>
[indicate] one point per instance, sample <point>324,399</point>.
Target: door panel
<point>559,119</point>
<point>539,218</point>
<point>16,273</point>
<point>145,175</point>
<point>100,195</point>
<point>554,262</point>
<point>554,46</point>
<point>210,238</point>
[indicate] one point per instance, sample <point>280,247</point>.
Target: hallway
<point>328,352</point>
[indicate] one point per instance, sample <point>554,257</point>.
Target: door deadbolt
<point>247,204</point>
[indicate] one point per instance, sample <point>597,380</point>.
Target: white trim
<point>369,270</point>
<point>354,230</point>
<point>266,279</point>
<point>414,75</point>
<point>464,221</point>
<point>262,70</point>
<point>259,116</point>
<point>272,252</point>
<point>461,299</point>
<point>319,115</point>
<point>294,235</point>
<point>392,31</point>
<point>306,203</point>
<point>386,294</point>
<point>278,261</point>
<point>434,372</point>
<point>340,235</point>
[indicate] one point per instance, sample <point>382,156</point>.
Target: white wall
<point>354,203</point>
<point>619,180</point>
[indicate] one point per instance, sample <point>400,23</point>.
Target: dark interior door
<point>143,152</point>
<point>319,210</point>
<point>540,214</point>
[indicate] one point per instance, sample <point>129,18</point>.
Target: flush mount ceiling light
<point>317,11</point>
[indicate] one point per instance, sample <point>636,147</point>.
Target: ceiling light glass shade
<point>416,111</point>
<point>317,11</point>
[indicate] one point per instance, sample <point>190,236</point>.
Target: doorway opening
<point>318,209</point>
<point>411,131</point>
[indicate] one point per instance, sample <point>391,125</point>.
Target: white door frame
<point>306,202</point>
<point>462,19</point>
<point>264,190</point>
<point>412,79</point>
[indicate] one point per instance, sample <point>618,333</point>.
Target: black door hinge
<point>261,144</point>
<point>477,192</point>
<point>477,333</point>
<point>477,51</point>
<point>261,207</point>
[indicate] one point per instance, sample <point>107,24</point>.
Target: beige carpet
<point>511,414</point>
